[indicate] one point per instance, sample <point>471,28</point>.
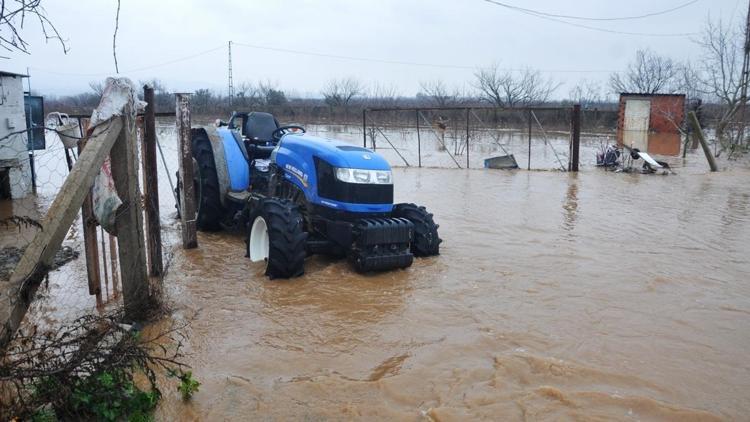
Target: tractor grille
<point>374,231</point>
<point>330,187</point>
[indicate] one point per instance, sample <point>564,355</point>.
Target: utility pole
<point>231,84</point>
<point>745,79</point>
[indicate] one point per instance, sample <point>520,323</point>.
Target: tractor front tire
<point>426,241</point>
<point>206,181</point>
<point>276,235</point>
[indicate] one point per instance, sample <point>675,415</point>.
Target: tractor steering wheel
<point>283,130</point>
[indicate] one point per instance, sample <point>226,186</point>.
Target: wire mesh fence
<point>538,138</point>
<point>28,186</point>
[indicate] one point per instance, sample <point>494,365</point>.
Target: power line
<point>403,63</point>
<point>549,17</point>
<point>140,69</point>
<point>585,18</point>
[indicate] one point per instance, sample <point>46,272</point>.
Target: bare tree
<point>649,73</point>
<point>438,93</point>
<point>721,69</point>
<point>688,81</point>
<point>13,16</point>
<point>162,97</point>
<point>248,94</point>
<point>97,87</point>
<point>383,95</point>
<point>508,89</point>
<point>586,92</point>
<point>340,92</point>
<point>270,94</point>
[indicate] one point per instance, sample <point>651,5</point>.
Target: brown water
<point>591,296</point>
<point>557,296</point>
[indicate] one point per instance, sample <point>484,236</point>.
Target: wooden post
<point>113,265</point>
<point>419,142</point>
<point>698,132</point>
<point>575,137</point>
<point>104,264</point>
<point>91,247</point>
<point>187,193</point>
<point>151,186</point>
<point>129,222</point>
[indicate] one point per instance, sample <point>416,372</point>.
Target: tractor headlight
<point>362,176</point>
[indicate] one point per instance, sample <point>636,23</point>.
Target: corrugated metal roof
<point>4,73</point>
<point>641,94</point>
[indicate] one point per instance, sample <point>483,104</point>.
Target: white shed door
<point>637,114</point>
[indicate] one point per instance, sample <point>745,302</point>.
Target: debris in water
<point>10,255</point>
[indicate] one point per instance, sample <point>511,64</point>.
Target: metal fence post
<point>419,141</point>
<point>187,193</point>
<point>364,128</point>
<point>575,136</point>
<point>151,186</point>
<point>528,165</point>
<point>467,137</point>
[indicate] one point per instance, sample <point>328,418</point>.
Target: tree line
<point>714,77</point>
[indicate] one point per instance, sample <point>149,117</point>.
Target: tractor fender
<point>217,145</point>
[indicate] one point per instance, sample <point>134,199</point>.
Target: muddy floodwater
<point>591,296</point>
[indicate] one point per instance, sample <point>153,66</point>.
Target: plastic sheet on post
<point>106,201</point>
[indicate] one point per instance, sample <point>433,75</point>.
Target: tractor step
<point>238,197</point>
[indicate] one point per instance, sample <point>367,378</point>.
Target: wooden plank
<point>63,211</point>
<point>91,250</point>
<point>129,225</point>
<point>187,193</point>
<point>151,186</point>
<point>113,265</point>
<point>104,264</point>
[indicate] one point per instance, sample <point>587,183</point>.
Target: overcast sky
<point>457,36</point>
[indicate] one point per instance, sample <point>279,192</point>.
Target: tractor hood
<point>336,153</point>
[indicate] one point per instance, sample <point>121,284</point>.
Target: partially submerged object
<point>298,195</point>
<point>611,157</point>
<point>608,156</point>
<point>649,160</point>
<point>66,128</point>
<point>504,162</point>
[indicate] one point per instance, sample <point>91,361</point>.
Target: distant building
<point>15,170</point>
<point>651,122</point>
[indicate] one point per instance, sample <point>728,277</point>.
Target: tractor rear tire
<point>276,234</point>
<point>207,192</point>
<point>426,241</point>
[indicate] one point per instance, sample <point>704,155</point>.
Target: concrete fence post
<point>129,222</point>
<point>187,193</point>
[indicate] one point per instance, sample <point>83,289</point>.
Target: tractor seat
<point>259,126</point>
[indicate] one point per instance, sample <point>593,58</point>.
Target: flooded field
<point>591,296</point>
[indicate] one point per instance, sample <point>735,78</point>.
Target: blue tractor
<point>298,195</point>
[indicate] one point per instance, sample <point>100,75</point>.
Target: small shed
<point>651,122</point>
<point>15,169</point>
